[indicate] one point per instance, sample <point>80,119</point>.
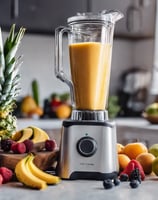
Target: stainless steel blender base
<point>88,150</point>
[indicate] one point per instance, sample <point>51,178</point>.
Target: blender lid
<point>110,16</point>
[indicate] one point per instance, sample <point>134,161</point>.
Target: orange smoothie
<point>90,70</point>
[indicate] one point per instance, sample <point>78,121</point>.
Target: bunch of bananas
<point>30,175</point>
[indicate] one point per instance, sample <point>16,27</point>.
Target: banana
<point>48,178</point>
<point>25,176</point>
<point>26,134</point>
<point>39,135</point>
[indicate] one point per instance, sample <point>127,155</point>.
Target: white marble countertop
<point>81,190</point>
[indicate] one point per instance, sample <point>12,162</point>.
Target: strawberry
<point>133,164</point>
<point>6,174</point>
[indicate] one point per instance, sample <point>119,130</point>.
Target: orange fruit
<point>146,160</point>
<point>132,150</point>
<point>120,148</point>
<point>123,161</point>
<point>63,111</point>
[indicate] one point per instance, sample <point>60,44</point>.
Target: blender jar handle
<point>59,72</point>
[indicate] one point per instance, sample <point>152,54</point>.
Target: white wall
<point>38,51</point>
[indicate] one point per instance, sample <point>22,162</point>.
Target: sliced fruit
<point>17,135</point>
<point>146,160</point>
<point>132,150</point>
<point>39,135</point>
<point>26,134</point>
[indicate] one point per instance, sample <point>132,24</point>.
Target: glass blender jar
<point>88,137</point>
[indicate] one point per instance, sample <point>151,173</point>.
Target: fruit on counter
<point>123,160</point>
<point>6,144</point>
<point>34,133</point>
<point>152,109</point>
<point>146,160</point>
<point>120,148</point>
<point>25,176</point>
<point>132,150</point>
<point>18,147</point>
<point>63,111</point>
<point>1,179</point>
<point>31,176</point>
<point>25,134</point>
<point>153,149</point>
<point>132,165</point>
<point>29,107</point>
<point>155,166</point>
<point>50,145</point>
<point>134,183</point>
<point>48,178</point>
<point>6,173</point>
<point>39,135</point>
<point>29,145</point>
<point>28,104</point>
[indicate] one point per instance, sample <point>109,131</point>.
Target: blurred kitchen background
<point>133,56</point>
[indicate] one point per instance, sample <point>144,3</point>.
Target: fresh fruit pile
<point>135,162</point>
<point>60,106</point>
<point>137,151</point>
<point>29,107</point>
<point>31,176</point>
<point>28,139</point>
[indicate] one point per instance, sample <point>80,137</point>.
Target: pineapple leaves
<point>9,79</point>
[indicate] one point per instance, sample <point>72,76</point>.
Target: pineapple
<point>9,80</point>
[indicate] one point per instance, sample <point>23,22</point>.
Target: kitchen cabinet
<point>39,16</point>
<point>139,17</point>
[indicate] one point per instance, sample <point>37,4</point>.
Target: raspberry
<point>6,144</point>
<point>29,145</point>
<point>1,179</point>
<point>13,147</point>
<point>6,174</point>
<point>107,183</point>
<point>50,145</point>
<point>19,147</point>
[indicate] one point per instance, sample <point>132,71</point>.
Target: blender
<point>88,138</point>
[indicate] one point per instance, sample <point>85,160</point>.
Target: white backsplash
<point>38,51</point>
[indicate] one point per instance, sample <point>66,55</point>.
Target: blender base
<point>88,150</point>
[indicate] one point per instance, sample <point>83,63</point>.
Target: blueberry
<point>134,183</point>
<point>107,183</point>
<point>116,181</point>
<point>135,175</point>
<point>124,177</point>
